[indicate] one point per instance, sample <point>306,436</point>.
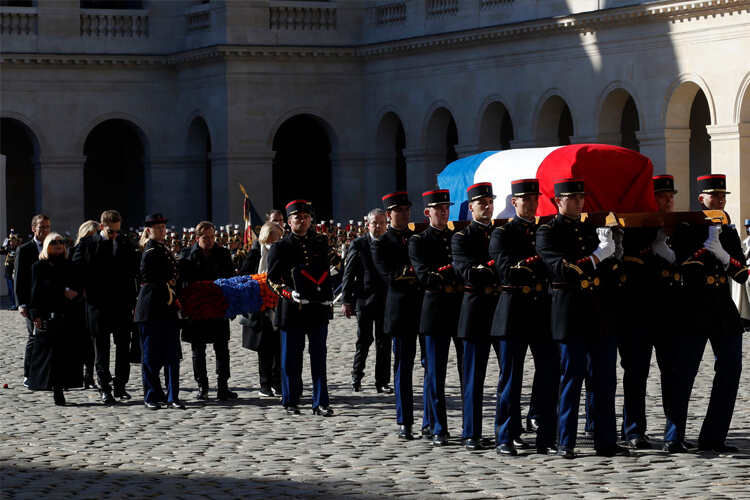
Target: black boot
<point>59,396</point>
<point>202,391</point>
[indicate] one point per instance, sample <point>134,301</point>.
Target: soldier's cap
<point>480,190</point>
<point>664,183</point>
<point>747,222</point>
<point>298,206</point>
<point>713,183</point>
<point>436,197</point>
<point>569,186</point>
<point>153,219</point>
<point>396,198</point>
<point>523,187</point>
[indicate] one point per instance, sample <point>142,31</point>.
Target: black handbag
<point>51,327</point>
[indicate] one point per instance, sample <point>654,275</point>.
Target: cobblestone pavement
<point>251,448</point>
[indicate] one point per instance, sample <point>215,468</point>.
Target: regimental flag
<point>618,179</point>
<point>253,221</point>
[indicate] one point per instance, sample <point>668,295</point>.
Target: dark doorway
<point>565,127</point>
<point>302,166</point>
<point>700,145</point>
<point>198,150</point>
<point>113,175</point>
<point>17,147</point>
<point>451,139</point>
<point>400,158</point>
<point>629,125</point>
<point>506,132</point>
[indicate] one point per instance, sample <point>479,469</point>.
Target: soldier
<point>652,289</point>
<point>299,316</point>
<point>522,322</point>
<point>364,289</point>
<point>431,256</point>
<point>472,262</point>
<point>403,304</point>
<point>578,258</point>
<point>709,258</point>
<point>9,248</point>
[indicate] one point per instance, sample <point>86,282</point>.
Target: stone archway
<point>390,141</point>
<point>554,123</point>
<point>619,120</point>
<point>20,147</point>
<point>496,128</point>
<point>199,172</point>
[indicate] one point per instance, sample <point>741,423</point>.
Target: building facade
<point>166,106</point>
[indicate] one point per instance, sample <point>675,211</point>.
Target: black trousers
<point>122,360</point>
<point>368,317</point>
<point>221,350</point>
<point>29,347</point>
<point>269,360</point>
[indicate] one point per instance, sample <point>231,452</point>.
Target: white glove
<point>714,232</point>
<point>714,246</point>
<point>618,235</point>
<point>299,300</point>
<point>660,247</point>
<point>606,248</point>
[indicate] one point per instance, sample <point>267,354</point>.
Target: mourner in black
<point>522,322</point>
<point>207,261</point>
<point>108,264</point>
<point>298,273</point>
<point>472,262</point>
<point>651,296</point>
<point>579,260</point>
<point>258,331</point>
<point>431,256</point>
<point>709,257</point>
<point>56,361</point>
<point>403,304</point>
<point>156,315</point>
<point>9,249</point>
<point>27,255</point>
<point>363,292</point>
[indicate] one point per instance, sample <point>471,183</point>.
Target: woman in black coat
<point>55,361</point>
<point>156,313</point>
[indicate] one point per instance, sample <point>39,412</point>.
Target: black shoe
<point>175,405</point>
<point>356,386</point>
<point>507,449</point>
<point>107,397</point>
<point>426,432</point>
<point>123,395</point>
<point>520,444</point>
<point>719,447</point>
<point>613,450</point>
<point>565,452</point>
<point>265,392</point>
<point>152,405</point>
<point>640,442</point>
<point>404,432</point>
<point>59,397</point>
<point>384,389</point>
<point>26,382</point>
<point>674,447</point>
<point>88,382</point>
<point>292,410</point>
<point>323,411</point>
<point>473,444</point>
<point>202,393</point>
<point>532,424</point>
<point>548,450</point>
<point>439,440</point>
<point>224,393</point>
<point>688,445</point>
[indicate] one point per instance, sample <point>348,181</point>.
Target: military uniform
<point>583,323</point>
<point>522,322</point>
<point>431,256</point>
<point>472,262</point>
<point>403,304</point>
<point>299,320</point>
<point>708,315</point>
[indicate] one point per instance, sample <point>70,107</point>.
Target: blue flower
<point>242,294</point>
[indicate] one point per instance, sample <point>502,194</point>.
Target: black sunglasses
<point>57,242</point>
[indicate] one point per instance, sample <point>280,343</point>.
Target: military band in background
<point>563,290</point>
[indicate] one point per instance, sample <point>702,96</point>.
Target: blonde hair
<point>144,237</point>
<point>266,230</point>
<point>87,229</point>
<point>44,255</point>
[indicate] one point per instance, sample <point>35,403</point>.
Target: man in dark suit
<point>207,261</point>
<point>403,304</point>
<point>108,265</point>
<point>302,311</point>
<point>26,256</point>
<point>522,322</point>
<point>364,292</point>
<point>580,264</point>
<point>431,256</point>
<point>710,257</point>
<point>472,261</point>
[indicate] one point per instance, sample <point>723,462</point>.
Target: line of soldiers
<point>567,291</point>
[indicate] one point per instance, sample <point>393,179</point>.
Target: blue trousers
<point>438,347</point>
<point>727,369</point>
<point>476,357</point>
<point>404,353</point>
<point>513,355</point>
<point>292,349</point>
<point>160,348</point>
<point>573,367</point>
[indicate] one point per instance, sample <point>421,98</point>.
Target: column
<point>348,186</point>
<point>422,167</point>
<point>669,152</point>
<point>60,185</point>
<point>175,187</point>
<point>252,169</point>
<point>730,155</point>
